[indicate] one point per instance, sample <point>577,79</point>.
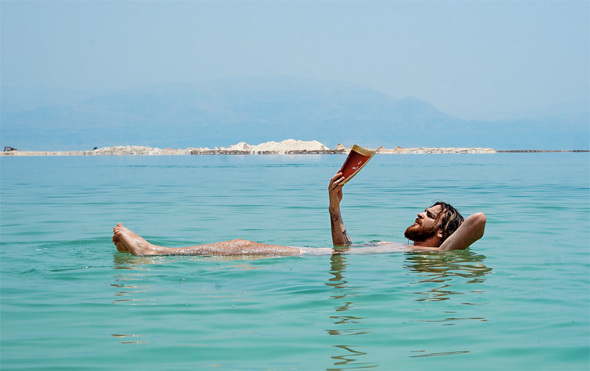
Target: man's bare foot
<point>120,245</point>
<point>127,241</point>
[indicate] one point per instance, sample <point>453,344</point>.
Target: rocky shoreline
<point>286,147</point>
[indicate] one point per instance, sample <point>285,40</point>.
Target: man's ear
<point>440,234</point>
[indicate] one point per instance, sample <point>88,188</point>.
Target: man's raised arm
<point>339,235</point>
<point>471,230</point>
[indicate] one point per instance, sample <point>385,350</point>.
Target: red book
<point>357,158</point>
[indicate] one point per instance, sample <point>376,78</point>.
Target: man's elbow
<point>479,223</point>
<point>480,218</point>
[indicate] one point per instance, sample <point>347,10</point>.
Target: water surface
<point>516,300</point>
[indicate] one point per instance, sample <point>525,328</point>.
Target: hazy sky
<point>471,59</point>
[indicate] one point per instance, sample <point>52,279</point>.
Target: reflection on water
<point>439,276</point>
<point>128,261</point>
<point>446,271</point>
<point>343,320</point>
<point>433,279</point>
<point>440,354</point>
<point>126,281</point>
<point>133,336</point>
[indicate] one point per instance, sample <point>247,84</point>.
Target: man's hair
<point>450,219</point>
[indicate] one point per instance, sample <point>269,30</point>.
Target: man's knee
<point>240,242</point>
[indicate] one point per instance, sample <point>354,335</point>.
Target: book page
<point>357,158</point>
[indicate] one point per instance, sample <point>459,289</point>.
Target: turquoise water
<point>516,300</point>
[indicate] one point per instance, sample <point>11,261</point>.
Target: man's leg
<point>127,241</point>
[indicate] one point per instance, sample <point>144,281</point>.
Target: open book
<point>357,158</point>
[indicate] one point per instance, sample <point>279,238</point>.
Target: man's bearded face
<point>425,227</point>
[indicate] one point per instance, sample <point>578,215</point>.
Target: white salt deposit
<point>268,148</point>
<point>287,145</point>
<point>242,146</point>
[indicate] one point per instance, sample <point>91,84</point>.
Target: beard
<point>418,233</point>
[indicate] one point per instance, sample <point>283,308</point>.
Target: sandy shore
<point>286,147</point>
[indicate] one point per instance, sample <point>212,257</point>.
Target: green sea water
<point>516,300</point>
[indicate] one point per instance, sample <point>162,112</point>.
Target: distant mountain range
<point>255,110</point>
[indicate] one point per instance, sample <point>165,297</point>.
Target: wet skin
<point>128,241</point>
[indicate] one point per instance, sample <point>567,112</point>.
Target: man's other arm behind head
<point>470,231</point>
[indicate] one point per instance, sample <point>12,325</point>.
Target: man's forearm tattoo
<point>346,237</point>
<point>334,221</point>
